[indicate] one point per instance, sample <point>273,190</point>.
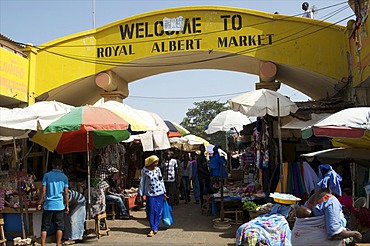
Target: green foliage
<point>249,205</point>
<point>199,117</point>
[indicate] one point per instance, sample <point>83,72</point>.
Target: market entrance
<point>272,46</point>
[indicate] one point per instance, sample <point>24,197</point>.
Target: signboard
<point>13,75</point>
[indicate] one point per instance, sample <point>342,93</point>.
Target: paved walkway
<point>190,228</point>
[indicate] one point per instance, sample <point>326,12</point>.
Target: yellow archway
<point>309,55</point>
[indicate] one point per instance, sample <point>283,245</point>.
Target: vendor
<point>326,225</point>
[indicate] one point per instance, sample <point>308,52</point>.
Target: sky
<point>170,95</point>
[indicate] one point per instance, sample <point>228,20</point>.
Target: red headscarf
<point>363,215</point>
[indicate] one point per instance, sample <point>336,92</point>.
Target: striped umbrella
<point>83,128</point>
<point>175,130</point>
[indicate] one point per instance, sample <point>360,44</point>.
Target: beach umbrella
<point>82,129</point>
<point>17,122</point>
<point>146,127</point>
<point>139,120</point>
<point>227,120</point>
<point>188,143</point>
<point>348,128</point>
<point>175,130</point>
<point>263,102</point>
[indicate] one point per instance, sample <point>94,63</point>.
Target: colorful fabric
<point>55,182</point>
<point>268,229</point>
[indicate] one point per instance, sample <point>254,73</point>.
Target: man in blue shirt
<point>54,201</point>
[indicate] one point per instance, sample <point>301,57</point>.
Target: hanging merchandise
<point>265,162</point>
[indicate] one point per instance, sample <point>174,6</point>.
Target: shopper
<point>169,170</point>
<point>152,186</point>
<point>204,175</point>
<point>54,201</point>
<point>186,167</point>
<point>75,220</point>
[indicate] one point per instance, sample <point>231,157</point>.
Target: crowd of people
<point>328,216</point>
<point>170,178</point>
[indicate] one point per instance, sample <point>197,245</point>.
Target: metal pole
<point>280,148</point>
<point>88,177</point>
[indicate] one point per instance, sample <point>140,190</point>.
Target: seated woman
<point>326,225</point>
<point>268,229</point>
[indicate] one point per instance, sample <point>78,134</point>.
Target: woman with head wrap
<point>152,186</point>
<point>326,226</point>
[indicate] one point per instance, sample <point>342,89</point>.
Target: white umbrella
<point>227,120</point>
<point>17,122</point>
<point>263,102</point>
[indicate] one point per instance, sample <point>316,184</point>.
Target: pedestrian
<point>204,175</point>
<point>186,176</point>
<point>152,186</point>
<point>194,178</point>
<point>75,220</point>
<point>169,170</point>
<point>54,201</point>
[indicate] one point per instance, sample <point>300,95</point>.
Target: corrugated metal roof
<point>5,38</point>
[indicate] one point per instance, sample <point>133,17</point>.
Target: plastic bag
<point>167,218</point>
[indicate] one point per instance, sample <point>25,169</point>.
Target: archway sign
<point>183,38</point>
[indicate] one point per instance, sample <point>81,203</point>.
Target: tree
<point>198,118</point>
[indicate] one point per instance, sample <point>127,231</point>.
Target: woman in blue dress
<point>152,186</point>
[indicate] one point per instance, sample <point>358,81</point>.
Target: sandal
<point>69,242</point>
<point>151,233</point>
